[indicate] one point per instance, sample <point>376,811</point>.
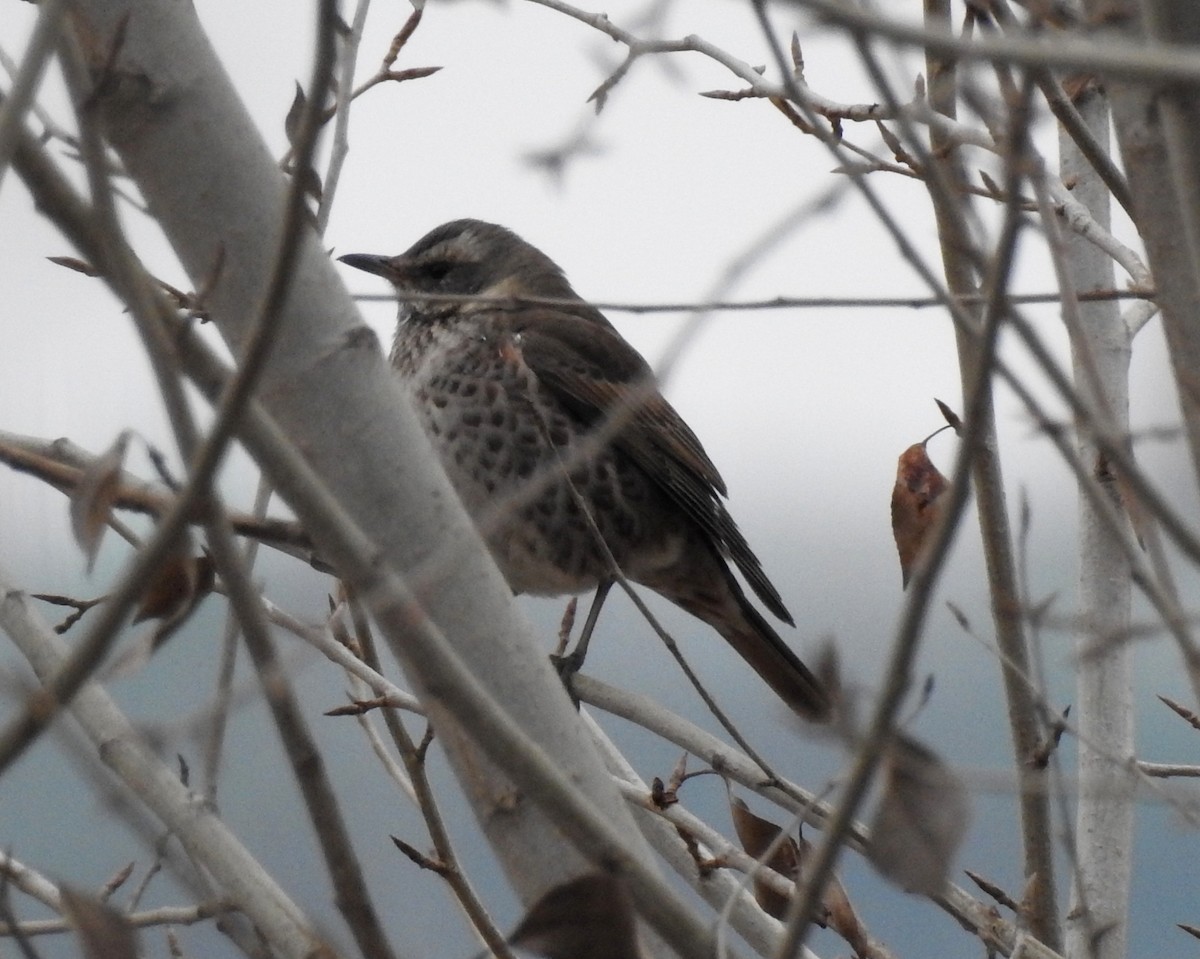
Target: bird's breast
<point>507,444</point>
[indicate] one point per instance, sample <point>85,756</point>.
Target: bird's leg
<point>570,663</point>
<point>589,624</point>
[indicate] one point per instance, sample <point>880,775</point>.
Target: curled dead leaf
<point>93,498</point>
<point>920,820</point>
<point>590,917</point>
<point>916,504</point>
<point>178,586</point>
<point>757,836</point>
<point>103,932</point>
<point>842,919</point>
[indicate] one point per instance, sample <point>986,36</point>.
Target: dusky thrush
<point>516,398</point>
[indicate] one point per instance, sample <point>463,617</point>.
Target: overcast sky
<point>804,411</point>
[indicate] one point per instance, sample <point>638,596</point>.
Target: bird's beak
<point>370,263</point>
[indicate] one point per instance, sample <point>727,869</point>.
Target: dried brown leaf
<point>842,919</point>
<point>587,918</point>
<point>920,820</point>
<point>178,586</point>
<point>756,836</point>
<point>92,500</point>
<point>103,932</point>
<point>916,504</point>
<point>1030,896</point>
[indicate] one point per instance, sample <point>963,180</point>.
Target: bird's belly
<point>508,464</point>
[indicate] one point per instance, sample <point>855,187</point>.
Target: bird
<point>551,429</point>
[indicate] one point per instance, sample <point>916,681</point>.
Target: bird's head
<point>467,258</point>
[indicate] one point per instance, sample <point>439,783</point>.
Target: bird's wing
<point>596,375</point>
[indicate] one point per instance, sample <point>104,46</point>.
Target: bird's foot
<point>567,665</point>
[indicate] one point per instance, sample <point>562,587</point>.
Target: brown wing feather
<point>595,373</point>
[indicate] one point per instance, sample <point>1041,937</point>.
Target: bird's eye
<point>436,270</point>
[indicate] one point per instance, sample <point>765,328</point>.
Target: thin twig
<point>102,247</point>
<point>214,739</point>
<point>351,893</point>
<point>61,465</point>
<point>1064,110</point>
<point>774,303</point>
<point>340,141</point>
<point>413,757</point>
<point>27,79</point>
<point>1140,61</point>
<point>948,130</point>
<point>161,916</point>
<point>654,717</point>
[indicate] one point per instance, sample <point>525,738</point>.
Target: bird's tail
<point>718,599</point>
